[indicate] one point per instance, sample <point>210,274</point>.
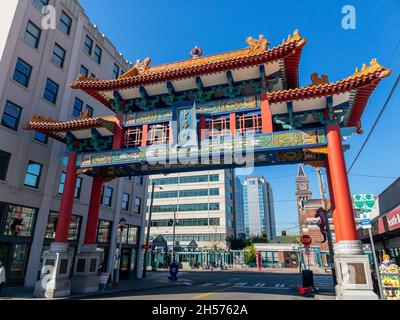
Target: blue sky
<point>167,31</point>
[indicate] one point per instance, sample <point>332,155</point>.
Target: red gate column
<point>94,208</point>
<point>202,127</point>
<point>118,133</point>
<point>266,116</point>
<point>67,200</point>
<point>145,132</point>
<point>332,201</point>
<point>340,185</point>
<point>232,124</point>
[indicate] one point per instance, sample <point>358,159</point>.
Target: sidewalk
<point>153,280</point>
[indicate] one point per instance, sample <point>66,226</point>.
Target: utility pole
<point>173,238</point>
<point>146,249</point>
<point>328,227</point>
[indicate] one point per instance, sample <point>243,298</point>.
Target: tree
<point>237,244</point>
<point>250,254</point>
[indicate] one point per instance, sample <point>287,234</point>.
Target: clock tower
<point>303,191</point>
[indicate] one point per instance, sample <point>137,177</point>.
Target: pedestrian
<point>385,263</point>
<point>2,276</point>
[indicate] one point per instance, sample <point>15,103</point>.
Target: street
<point>220,285</point>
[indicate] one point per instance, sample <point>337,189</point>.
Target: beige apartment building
<point>204,205</point>
<point>36,68</point>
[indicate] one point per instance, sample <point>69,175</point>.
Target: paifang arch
<point>225,110</point>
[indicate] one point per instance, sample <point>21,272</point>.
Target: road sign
<point>306,240</point>
<point>365,216</point>
<point>364,201</point>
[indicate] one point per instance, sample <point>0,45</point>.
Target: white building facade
<point>204,206</point>
<point>259,212</point>
<point>36,68</point>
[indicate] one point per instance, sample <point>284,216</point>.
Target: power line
<point>376,122</point>
<point>369,176</point>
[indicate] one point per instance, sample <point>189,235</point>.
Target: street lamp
<point>122,226</point>
<point>146,248</point>
<point>173,223</point>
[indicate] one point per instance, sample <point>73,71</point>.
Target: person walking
<point>2,276</point>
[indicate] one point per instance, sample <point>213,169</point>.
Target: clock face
<point>302,186</point>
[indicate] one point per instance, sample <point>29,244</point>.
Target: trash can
<point>308,278</point>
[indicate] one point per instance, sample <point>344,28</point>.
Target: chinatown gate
<point>235,109</point>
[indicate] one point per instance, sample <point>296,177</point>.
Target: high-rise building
<point>239,210</point>
<point>37,66</point>
<point>259,209</point>
<point>204,206</point>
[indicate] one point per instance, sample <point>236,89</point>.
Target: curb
<point>104,293</point>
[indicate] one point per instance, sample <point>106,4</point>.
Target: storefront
<point>103,243</point>
<point>386,234</point>
<point>129,252</point>
<point>17,225</point>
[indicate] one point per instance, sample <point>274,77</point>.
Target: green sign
<point>364,201</point>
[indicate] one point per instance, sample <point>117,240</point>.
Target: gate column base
<point>54,282</point>
<point>85,279</point>
<point>353,272</point>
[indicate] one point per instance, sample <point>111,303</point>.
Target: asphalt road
<point>220,285</point>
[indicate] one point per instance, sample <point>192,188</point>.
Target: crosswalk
<point>258,285</point>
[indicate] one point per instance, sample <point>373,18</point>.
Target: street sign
<point>365,217</point>
<point>364,201</point>
<point>306,240</point>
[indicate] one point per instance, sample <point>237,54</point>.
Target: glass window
<point>78,187</point>
<point>138,205</point>
<point>115,71</point>
<point>125,201</point>
<point>84,71</point>
<point>214,177</point>
<point>51,91</point>
<point>65,23</point>
<point>32,175</point>
<point>78,107</point>
<point>32,35</point>
<point>58,57</point>
<point>11,115</point>
<point>98,52</point>
<point>103,231</point>
<point>4,161</point>
<point>89,110</point>
<point>88,46</point>
<point>107,196</point>
<point>139,180</point>
<point>133,235</point>
<point>19,221</point>
<point>122,236</point>
<point>74,227</point>
<point>40,3</point>
<point>22,73</point>
<point>41,137</point>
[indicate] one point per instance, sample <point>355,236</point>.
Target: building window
<point>41,137</point>
<point>106,196</point>
<point>78,187</point>
<point>138,205</point>
<point>32,35</point>
<point>139,180</point>
<point>19,221</point>
<point>65,23</point>
<point>73,231</point>
<point>4,161</point>
<point>89,111</point>
<point>98,52</point>
<point>32,175</point>
<point>50,91</point>
<point>125,201</point>
<point>84,71</point>
<point>58,57</point>
<point>133,235</point>
<point>103,231</point>
<point>115,71</point>
<point>40,3</point>
<point>22,73</point>
<point>78,107</point>
<point>88,46</point>
<point>11,116</point>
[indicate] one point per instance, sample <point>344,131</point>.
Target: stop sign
<point>306,240</point>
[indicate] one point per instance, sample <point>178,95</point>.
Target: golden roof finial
<point>260,44</point>
<point>374,66</point>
